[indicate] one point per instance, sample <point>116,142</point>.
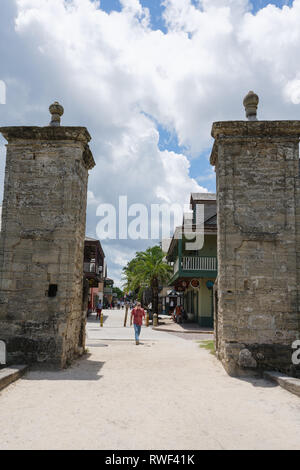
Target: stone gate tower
<point>258,198</point>
<point>42,241</point>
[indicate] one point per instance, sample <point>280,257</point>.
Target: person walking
<point>137,315</point>
<point>178,314</point>
<point>99,310</point>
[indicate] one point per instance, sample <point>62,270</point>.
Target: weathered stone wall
<point>258,196</point>
<point>42,243</point>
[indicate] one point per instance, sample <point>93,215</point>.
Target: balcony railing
<point>196,263</point>
<point>199,263</point>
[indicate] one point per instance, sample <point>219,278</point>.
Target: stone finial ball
<point>250,102</point>
<point>56,111</point>
<point>251,99</point>
<point>56,108</point>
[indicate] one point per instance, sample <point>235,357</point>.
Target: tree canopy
<point>147,270</point>
<point>119,292</point>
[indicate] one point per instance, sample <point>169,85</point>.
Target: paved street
<point>113,329</point>
<point>166,393</point>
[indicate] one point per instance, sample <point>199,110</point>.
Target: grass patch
<point>208,345</point>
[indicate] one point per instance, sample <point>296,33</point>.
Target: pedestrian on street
<point>137,315</point>
<point>178,314</point>
<point>99,310</point>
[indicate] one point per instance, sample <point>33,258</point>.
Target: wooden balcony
<point>194,266</point>
<point>199,263</point>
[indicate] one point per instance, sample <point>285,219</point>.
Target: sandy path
<point>162,394</point>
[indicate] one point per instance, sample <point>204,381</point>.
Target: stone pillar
<point>42,241</point>
<point>258,198</point>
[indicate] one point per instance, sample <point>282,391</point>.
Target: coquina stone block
<point>42,243</point>
<point>258,199</point>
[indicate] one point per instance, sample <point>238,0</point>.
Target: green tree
<point>119,292</point>
<point>147,270</point>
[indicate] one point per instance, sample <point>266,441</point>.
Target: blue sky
<point>200,168</point>
<point>148,99</point>
<point>258,4</point>
<point>156,8</point>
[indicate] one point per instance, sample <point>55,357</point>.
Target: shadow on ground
<point>92,320</point>
<point>82,369</point>
<point>258,382</point>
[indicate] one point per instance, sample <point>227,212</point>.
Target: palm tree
<point>147,270</point>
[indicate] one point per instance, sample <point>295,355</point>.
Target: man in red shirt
<point>137,315</point>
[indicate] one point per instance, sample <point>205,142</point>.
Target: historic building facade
<point>195,271</point>
<point>94,269</point>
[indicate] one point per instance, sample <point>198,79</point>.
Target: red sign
<point>195,283</point>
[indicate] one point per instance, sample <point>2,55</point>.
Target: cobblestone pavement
<point>166,393</point>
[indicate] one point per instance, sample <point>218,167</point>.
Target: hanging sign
<point>210,285</point>
<point>195,283</point>
<point>93,282</point>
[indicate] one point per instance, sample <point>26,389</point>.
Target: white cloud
<point>177,182</point>
<point>118,77</point>
<point>92,200</point>
<point>292,91</point>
